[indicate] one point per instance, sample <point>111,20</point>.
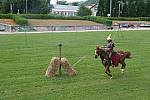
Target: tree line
<point>124,8</point>
<point>33,6</point>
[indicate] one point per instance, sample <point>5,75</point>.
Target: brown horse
<point>117,57</point>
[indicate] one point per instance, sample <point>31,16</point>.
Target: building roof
<point>65,8</point>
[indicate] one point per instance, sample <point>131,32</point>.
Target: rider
<point>109,47</point>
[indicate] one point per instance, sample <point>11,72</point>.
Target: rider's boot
<point>110,59</point>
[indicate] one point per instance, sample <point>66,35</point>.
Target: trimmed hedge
<point>4,16</point>
<point>101,20</point>
<point>50,16</point>
<point>22,19</point>
<point>145,18</point>
<point>19,20</point>
<point>129,19</point>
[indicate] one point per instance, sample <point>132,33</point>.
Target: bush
<point>19,20</point>
<point>84,11</point>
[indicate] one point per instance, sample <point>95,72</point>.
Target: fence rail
<point>9,28</point>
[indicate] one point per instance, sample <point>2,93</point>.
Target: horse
<point>118,57</point>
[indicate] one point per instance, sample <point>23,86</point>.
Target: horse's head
<point>97,51</point>
<point>100,51</point>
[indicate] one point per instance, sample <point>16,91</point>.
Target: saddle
<point>115,58</point>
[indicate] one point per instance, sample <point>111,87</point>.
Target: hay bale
<point>67,67</point>
<point>53,67</point>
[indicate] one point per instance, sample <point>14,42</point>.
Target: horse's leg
<point>110,73</point>
<point>123,67</point>
<point>107,71</point>
<point>122,61</point>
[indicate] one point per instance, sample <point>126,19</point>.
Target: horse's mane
<point>101,50</point>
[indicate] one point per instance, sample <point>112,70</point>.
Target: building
<point>65,10</point>
<point>69,10</point>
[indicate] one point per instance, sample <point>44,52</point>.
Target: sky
<point>54,1</point>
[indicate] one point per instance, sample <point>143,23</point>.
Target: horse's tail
<point>127,54</point>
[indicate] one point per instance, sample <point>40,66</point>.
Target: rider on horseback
<point>109,47</point>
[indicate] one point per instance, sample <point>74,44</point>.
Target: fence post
<point>60,45</point>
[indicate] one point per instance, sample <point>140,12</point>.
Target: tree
<point>101,8</point>
<point>141,9</point>
<point>115,8</point>
<point>1,7</point>
<point>84,11</point>
<point>125,9</point>
<point>34,6</point>
<point>148,9</point>
<point>87,2</point>
<point>62,2</point>
<point>39,6</point>
<point>132,8</point>
<point>129,8</point>
<point>6,7</point>
<point>135,8</point>
<point>75,3</point>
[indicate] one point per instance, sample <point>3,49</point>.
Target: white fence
<point>9,28</point>
<point>5,28</point>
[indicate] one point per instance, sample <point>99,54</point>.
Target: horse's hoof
<point>122,71</point>
<point>111,78</point>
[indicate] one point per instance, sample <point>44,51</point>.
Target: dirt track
<point>44,22</point>
<point>41,22</point>
<point>7,21</point>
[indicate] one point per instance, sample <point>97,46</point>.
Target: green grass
<point>23,62</point>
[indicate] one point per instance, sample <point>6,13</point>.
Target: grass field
<point>24,59</point>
